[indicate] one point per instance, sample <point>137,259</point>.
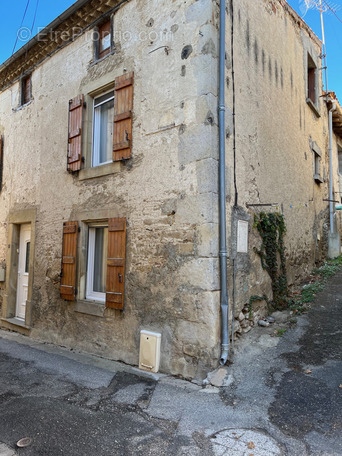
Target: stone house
<point>109,214</point>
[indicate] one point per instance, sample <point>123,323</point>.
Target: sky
<point>12,13</point>
<point>333,38</point>
<point>14,31</point>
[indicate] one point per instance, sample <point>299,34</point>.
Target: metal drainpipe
<point>222,190</point>
<point>331,204</point>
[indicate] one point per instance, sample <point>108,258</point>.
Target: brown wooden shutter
<point>1,159</point>
<point>115,287</point>
<point>75,134</point>
<point>123,113</point>
<point>69,253</point>
<point>26,89</point>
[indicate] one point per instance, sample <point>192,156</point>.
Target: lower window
<point>97,263</point>
<point>105,241</point>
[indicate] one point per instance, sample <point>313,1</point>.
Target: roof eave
<point>52,26</point>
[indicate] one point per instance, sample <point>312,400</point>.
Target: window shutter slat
<point>116,255</point>
<point>75,134</point>
<point>123,122</point>
<point>68,275</point>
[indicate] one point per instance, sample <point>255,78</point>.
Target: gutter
<point>222,191</point>
<point>331,204</point>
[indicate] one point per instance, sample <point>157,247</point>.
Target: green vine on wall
<point>272,229</point>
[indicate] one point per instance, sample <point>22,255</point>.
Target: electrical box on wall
<point>2,274</point>
<point>149,356</point>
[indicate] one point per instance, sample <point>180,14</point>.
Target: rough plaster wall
<point>274,126</point>
<point>337,181</point>
<point>167,191</point>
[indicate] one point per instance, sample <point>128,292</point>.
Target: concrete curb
<point>6,451</point>
<point>81,357</point>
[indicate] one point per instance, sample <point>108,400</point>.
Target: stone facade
<point>167,190</point>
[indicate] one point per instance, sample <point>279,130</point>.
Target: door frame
<point>15,220</point>
<point>24,239</point>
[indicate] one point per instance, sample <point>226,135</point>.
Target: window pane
<point>103,130</point>
<point>104,38</point>
<point>100,259</point>
<point>340,160</point>
<point>105,42</point>
<point>27,259</point>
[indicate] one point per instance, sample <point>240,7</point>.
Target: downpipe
<point>331,204</point>
<point>222,191</point>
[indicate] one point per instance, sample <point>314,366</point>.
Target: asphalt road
<point>282,396</point>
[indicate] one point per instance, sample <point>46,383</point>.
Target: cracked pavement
<point>282,397</point>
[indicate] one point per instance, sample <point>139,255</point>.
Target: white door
<point>23,270</point>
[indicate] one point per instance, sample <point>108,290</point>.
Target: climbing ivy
<point>272,229</point>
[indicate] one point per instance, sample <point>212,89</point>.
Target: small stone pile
<point>248,318</point>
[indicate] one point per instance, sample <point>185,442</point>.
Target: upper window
<point>317,156</point>
<point>339,150</point>
<point>26,89</point>
<point>107,134</point>
<point>312,80</point>
<point>103,40</point>
<point>103,129</point>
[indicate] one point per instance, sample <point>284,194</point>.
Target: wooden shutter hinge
<point>79,229</point>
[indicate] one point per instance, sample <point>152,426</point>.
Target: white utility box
<point>149,356</point>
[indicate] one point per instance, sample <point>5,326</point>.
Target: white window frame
<point>90,293</point>
<point>339,157</point>
<point>95,152</point>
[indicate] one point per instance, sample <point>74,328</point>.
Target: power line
<point>35,15</point>
<point>22,21</point>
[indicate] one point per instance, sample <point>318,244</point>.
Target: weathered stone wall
<point>167,191</point>
<point>275,128</point>
<point>337,180</point>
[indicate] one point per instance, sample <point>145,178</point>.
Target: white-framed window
<point>103,118</point>
<point>97,262</point>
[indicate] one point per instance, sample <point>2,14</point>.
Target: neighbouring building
<point>109,187</point>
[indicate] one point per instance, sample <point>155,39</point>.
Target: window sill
<point>318,179</point>
<point>15,324</point>
<point>96,61</point>
<point>99,171</point>
<point>19,108</point>
<point>96,309</point>
<point>313,107</point>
